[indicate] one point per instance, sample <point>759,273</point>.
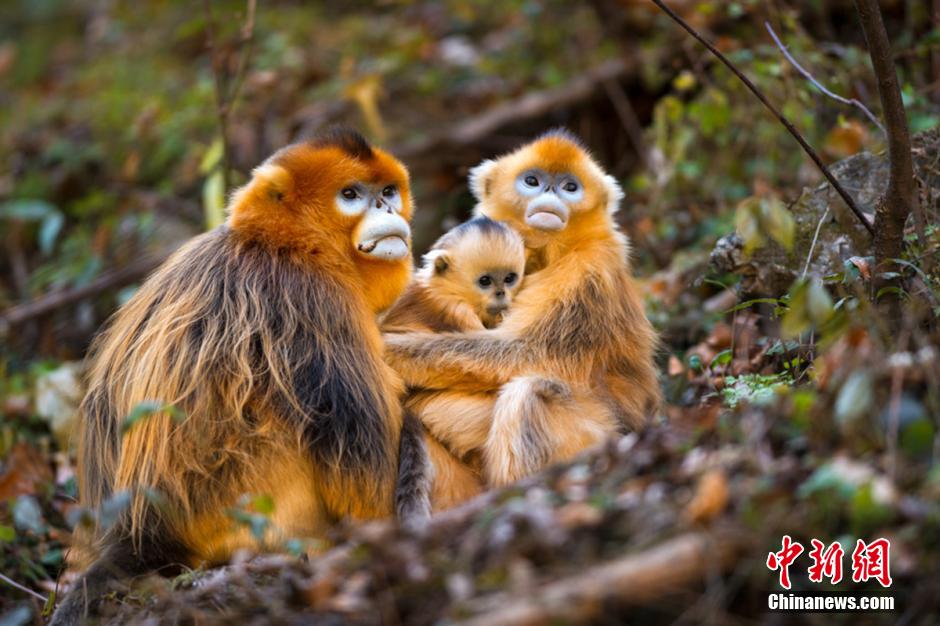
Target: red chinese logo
<point>826,563</point>
<point>869,561</point>
<point>782,560</point>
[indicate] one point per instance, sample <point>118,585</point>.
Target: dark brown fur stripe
<point>332,399</point>
<point>347,140</point>
<point>412,491</point>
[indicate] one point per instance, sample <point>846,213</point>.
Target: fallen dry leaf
<point>711,497</point>
<point>25,472</point>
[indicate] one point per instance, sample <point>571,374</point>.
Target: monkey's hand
<point>451,360</point>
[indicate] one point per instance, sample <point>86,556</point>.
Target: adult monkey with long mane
<point>578,319</point>
<point>262,336</point>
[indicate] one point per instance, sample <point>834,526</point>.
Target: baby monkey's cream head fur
<point>479,263</point>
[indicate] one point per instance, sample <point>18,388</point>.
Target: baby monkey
<point>467,282</point>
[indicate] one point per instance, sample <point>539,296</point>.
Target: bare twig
<point>228,88</point>
<point>20,313</point>
<point>812,246</point>
<point>533,104</point>
<point>891,213</point>
<point>780,117</point>
<point>628,118</point>
<point>633,579</point>
<point>13,583</point>
<point>850,101</point>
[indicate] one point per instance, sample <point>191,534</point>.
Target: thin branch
<point>13,583</point>
<point>533,104</point>
<point>812,246</point>
<point>227,90</point>
<point>50,302</point>
<point>799,68</point>
<point>780,117</point>
<point>247,34</point>
<point>628,118</point>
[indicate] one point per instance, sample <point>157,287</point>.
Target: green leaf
<point>900,293</point>
<point>112,508</point>
<point>49,231</point>
<point>917,437</point>
<point>147,409</point>
<point>747,224</point>
<point>52,557</point>
<point>263,504</point>
<point>855,397</point>
<point>7,533</point>
<point>722,358</point>
<point>795,321</point>
<point>748,304</point>
<point>27,515</point>
<point>18,616</point>
<point>26,210</point>
<point>819,305</point>
<point>867,513</point>
<point>213,156</point>
<point>778,222</point>
<point>213,199</point>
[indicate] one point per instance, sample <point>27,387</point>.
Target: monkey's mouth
<point>392,247</point>
<point>384,236</point>
<point>547,214</point>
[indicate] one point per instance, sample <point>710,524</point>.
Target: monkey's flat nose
<point>500,293</point>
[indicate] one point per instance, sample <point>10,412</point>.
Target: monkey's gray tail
<point>415,474</point>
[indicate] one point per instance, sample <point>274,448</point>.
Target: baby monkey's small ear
<point>441,263</point>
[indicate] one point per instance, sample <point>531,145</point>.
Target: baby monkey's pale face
<point>496,286</point>
<point>477,265</point>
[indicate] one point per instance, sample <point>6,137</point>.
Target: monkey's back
<point>220,351</point>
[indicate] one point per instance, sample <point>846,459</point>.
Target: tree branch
<point>49,302</point>
<point>783,120</point>
<point>632,579</point>
<point>895,206</point>
<point>227,89</point>
<point>799,68</point>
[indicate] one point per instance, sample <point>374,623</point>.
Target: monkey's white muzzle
<point>547,212</point>
<point>383,235</point>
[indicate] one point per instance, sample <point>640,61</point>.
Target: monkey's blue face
<point>551,197</point>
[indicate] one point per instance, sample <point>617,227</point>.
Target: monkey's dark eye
<point>531,181</point>
<point>389,191</point>
<point>349,193</point>
<point>485,281</point>
<point>570,187</point>
<point>511,278</point>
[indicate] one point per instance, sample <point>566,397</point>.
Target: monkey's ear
<point>441,264</point>
<point>271,182</point>
<point>614,193</point>
<point>481,179</point>
<point>440,261</point>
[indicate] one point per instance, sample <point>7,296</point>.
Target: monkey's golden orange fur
<point>572,362</point>
<point>262,335</point>
<point>445,296</point>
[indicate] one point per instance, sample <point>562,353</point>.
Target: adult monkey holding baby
<point>578,320</point>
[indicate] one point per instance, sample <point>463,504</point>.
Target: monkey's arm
<point>556,330</point>
<point>452,360</point>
